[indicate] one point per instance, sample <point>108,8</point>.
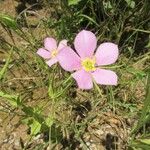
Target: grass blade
<point>4,69</point>
<point>145,117</point>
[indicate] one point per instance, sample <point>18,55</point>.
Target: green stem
<point>98,89</point>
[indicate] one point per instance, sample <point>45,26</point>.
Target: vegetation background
<point>41,107</point>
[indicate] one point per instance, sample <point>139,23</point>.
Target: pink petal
<point>107,53</point>
<point>44,53</point>
<point>62,44</point>
<point>105,77</point>
<point>85,43</point>
<point>52,61</point>
<point>50,44</point>
<point>68,59</point>
<point>83,79</point>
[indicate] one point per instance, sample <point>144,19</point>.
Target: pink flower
<point>87,64</point>
<point>50,50</point>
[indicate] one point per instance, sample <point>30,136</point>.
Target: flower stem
<point>98,89</point>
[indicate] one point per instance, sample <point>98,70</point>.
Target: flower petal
<point>105,77</point>
<point>107,53</point>
<point>83,79</point>
<point>68,59</point>
<point>43,53</point>
<point>62,44</point>
<point>50,44</point>
<point>85,43</point>
<point>52,61</point>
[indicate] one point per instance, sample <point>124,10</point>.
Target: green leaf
<point>145,141</point>
<point>90,19</point>
<point>73,2</point>
<point>8,21</point>
<point>138,73</point>
<point>26,120</point>
<point>139,145</point>
<point>35,127</point>
<point>107,5</point>
<point>12,99</point>
<point>30,112</point>
<point>49,121</point>
<point>130,3</point>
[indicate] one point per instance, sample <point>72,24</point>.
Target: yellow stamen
<point>54,53</point>
<point>88,64</point>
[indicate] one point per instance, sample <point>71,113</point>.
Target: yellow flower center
<point>88,64</point>
<point>54,53</point>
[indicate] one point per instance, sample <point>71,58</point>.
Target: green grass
<point>47,99</point>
